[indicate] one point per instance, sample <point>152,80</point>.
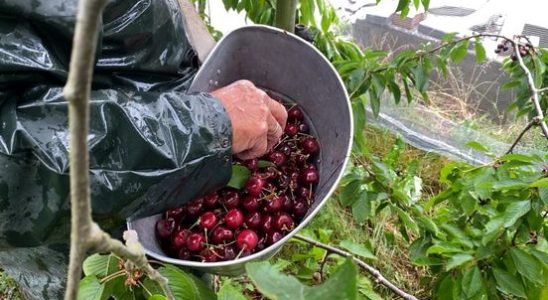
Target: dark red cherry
<point>273,237</point>
<point>250,203</point>
<point>247,240</point>
<point>266,225</point>
<point>195,242</point>
<point>194,208</point>
<point>310,145</point>
<point>184,254</point>
<point>277,157</point>
<point>221,235</point>
<point>295,114</point>
<point>309,175</point>
<point>252,164</point>
<point>303,128</point>
<point>300,159</point>
<point>234,218</point>
<point>208,220</point>
<point>287,204</point>
<point>274,204</point>
<point>304,192</point>
<point>175,213</point>
<point>164,227</point>
<point>254,185</point>
<point>211,200</point>
<point>283,222</point>
<point>253,220</point>
<point>231,199</point>
<point>285,149</point>
<point>291,130</point>
<point>300,208</point>
<point>178,239</point>
<point>209,255</point>
<point>228,252</point>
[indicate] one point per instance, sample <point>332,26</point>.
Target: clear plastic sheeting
<point>429,131</point>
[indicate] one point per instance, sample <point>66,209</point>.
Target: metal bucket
<point>282,62</point>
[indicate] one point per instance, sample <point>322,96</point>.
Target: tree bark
<point>285,14</point>
<point>85,234</point>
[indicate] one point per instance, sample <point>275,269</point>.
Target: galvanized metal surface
<point>278,61</point>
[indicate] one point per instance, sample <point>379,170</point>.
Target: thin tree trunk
<point>285,14</point>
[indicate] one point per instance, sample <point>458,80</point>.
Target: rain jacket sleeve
<point>152,146</point>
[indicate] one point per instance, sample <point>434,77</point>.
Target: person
<point>152,145</point>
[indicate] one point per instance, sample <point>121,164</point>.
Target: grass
<point>8,288</point>
<point>381,235</point>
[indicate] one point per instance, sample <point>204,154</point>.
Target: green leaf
<point>395,90</point>
<point>357,249</point>
<point>406,219</point>
<point>375,102</point>
<point>514,211</point>
<point>458,53</point>
<point>540,183</point>
<point>421,76</point>
<point>361,209</point>
<point>239,177</point>
<point>458,260</point>
<point>443,248</point>
<point>90,288</point>
<point>444,290</point>
<point>518,157</point>
<point>480,51</point>
<point>425,4</point>
<point>265,163</point>
<point>342,285</point>
<point>157,297</point>
<point>543,194</point>
<point>269,281</point>
<point>527,265</point>
<point>151,286</point>
<point>416,3</point>
<point>350,192</point>
<point>510,84</point>
<point>428,224</point>
<point>508,283</point>
<point>408,94</point>
<point>477,146</point>
<point>472,283</point>
<point>185,286</point>
<point>402,5</point>
<point>229,292</point>
<point>100,265</point>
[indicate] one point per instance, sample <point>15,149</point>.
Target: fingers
<point>277,110</point>
<point>258,148</point>
<point>274,133</point>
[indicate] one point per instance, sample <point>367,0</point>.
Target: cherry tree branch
<point>535,121</point>
<point>85,234</point>
<point>534,90</point>
<point>379,278</point>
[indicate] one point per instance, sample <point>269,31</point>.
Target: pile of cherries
<point>230,223</point>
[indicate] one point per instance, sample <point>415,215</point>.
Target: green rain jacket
<point>152,146</point>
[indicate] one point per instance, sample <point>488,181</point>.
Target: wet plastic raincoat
<point>151,145</point>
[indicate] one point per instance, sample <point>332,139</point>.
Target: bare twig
<point>322,264</point>
<point>85,234</point>
<point>535,121</point>
<point>532,88</point>
<point>379,278</point>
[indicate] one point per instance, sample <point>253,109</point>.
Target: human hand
<point>258,121</point>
